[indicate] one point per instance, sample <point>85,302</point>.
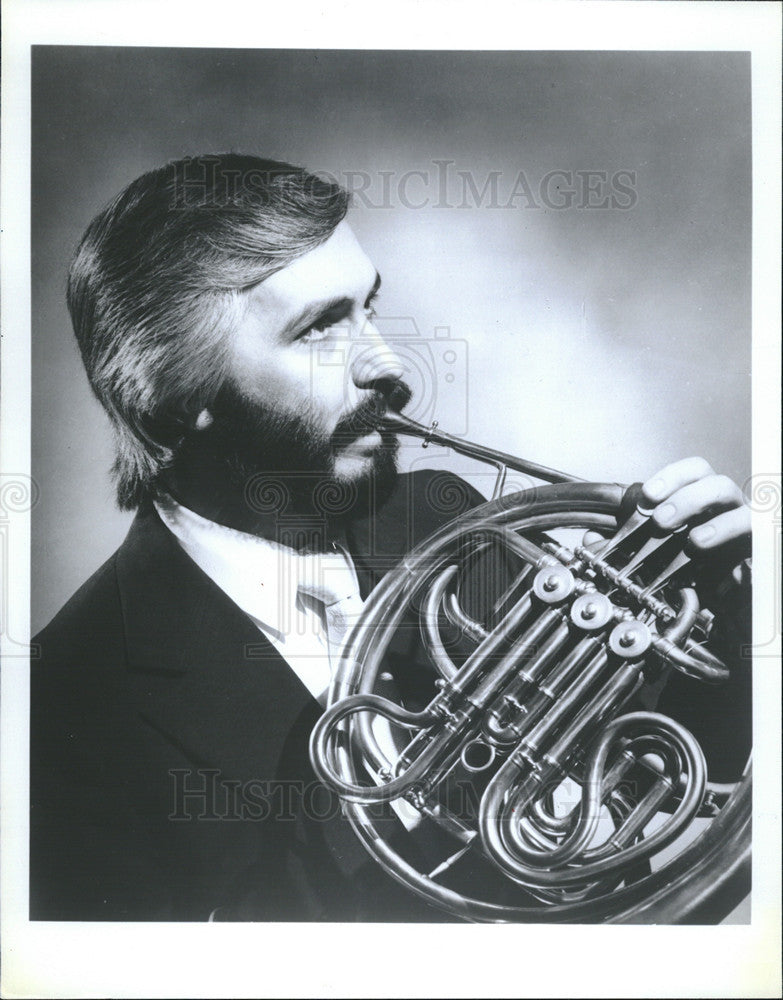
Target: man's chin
<point>365,476</point>
<point>353,467</point>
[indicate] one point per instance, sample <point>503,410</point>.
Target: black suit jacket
<point>170,776</point>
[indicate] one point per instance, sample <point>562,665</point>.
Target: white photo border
<point>213,960</point>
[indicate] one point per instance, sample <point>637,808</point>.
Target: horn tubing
<point>577,879</point>
<point>401,424</point>
<point>494,817</point>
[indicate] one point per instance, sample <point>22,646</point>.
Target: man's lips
<point>368,437</point>
<point>365,420</point>
<point>368,418</point>
<point>366,444</point>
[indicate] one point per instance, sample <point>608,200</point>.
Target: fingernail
<point>703,533</point>
<point>666,514</point>
<point>655,489</point>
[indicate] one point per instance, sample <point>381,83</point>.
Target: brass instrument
<point>538,703</point>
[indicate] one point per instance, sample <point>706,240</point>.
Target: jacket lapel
<point>206,677</point>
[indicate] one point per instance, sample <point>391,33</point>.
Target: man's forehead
<point>337,267</point>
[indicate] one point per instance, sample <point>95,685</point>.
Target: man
<point>227,328</point>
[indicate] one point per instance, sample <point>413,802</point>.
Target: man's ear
<point>169,430</point>
<point>203,420</point>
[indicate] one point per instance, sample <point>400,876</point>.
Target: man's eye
<point>318,331</point>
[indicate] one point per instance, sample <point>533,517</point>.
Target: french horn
<point>544,701</point>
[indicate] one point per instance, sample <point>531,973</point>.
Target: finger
<point>673,477</point>
<point>714,493</point>
<point>721,529</point>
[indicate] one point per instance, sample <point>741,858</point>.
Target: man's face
<point>309,373</point>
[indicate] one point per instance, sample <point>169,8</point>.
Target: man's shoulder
<point>89,614</point>
<point>93,618</point>
<point>430,498</point>
<point>147,550</point>
<point>77,665</point>
<point>422,502</point>
<point>444,491</point>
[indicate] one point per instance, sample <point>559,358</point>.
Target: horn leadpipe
<point>401,424</point>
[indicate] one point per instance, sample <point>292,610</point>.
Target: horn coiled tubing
<point>542,698</point>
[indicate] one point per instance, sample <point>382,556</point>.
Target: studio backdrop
<point>564,240</point>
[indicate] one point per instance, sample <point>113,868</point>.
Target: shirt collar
<point>261,576</point>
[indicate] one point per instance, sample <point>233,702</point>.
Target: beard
<point>281,465</point>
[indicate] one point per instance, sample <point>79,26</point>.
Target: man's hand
<point>688,490</point>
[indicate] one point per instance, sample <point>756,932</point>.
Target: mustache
<point>368,416</point>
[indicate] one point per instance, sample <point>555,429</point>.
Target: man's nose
<point>373,360</point>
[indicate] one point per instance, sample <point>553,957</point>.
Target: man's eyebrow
<point>310,314</point>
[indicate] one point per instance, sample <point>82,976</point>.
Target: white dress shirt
<point>303,604</point>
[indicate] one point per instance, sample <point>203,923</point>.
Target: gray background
<point>603,341</point>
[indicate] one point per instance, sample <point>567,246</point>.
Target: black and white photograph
<point>392,532</point>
